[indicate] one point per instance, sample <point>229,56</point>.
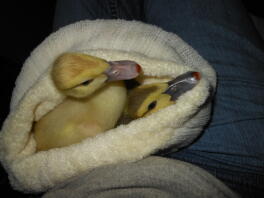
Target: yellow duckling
<point>97,99</point>
<point>150,98</point>
<point>79,75</point>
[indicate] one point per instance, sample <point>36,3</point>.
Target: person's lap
<point>70,11</point>
<point>231,146</point>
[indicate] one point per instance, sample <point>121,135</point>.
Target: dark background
<point>24,24</point>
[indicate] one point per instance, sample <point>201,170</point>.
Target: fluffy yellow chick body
<point>95,102</point>
<point>77,119</point>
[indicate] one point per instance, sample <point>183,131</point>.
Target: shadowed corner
<point>32,20</point>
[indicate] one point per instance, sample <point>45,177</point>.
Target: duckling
<point>79,75</point>
<point>96,99</point>
<point>147,99</point>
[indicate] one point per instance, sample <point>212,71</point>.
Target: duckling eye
<point>152,105</point>
<point>85,83</point>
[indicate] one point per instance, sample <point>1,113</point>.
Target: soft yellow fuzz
<point>71,71</point>
<point>93,108</point>
<point>147,99</point>
<point>76,119</point>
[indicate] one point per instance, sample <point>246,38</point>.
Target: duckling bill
<point>182,84</point>
<point>122,70</point>
<point>149,98</point>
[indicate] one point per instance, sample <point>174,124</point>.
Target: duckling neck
<point>107,103</point>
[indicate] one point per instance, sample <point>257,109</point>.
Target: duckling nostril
<point>115,72</point>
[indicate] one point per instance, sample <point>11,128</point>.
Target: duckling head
<point>150,98</point>
<point>79,75</point>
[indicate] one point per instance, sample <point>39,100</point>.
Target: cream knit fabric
<point>158,52</point>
